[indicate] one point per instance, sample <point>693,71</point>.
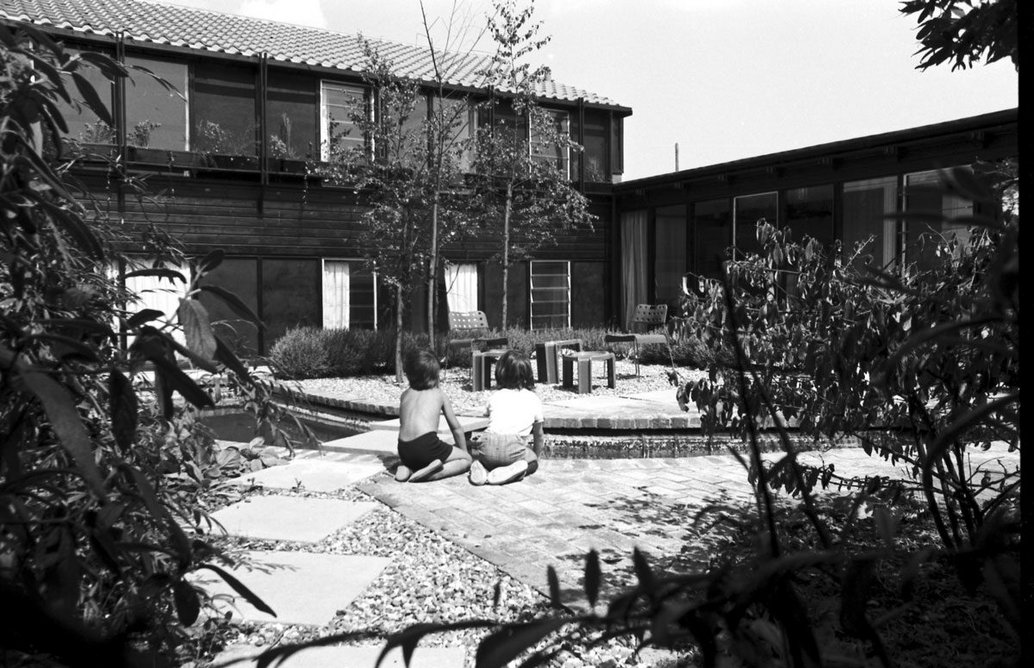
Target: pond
<point>237,425</point>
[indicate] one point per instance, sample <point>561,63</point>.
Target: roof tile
<point>159,23</point>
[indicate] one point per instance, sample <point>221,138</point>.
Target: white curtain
<point>336,282</point>
<point>461,287</point>
<point>633,263</point>
<point>159,293</point>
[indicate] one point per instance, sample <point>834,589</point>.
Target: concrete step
<point>337,656</point>
<point>301,587</point>
<point>313,473</point>
<point>293,518</point>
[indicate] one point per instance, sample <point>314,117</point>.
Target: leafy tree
<point>520,180</point>
<point>963,32</point>
<point>102,472</point>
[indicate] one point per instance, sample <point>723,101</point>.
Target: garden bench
<point>645,318</point>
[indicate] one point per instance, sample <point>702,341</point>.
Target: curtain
<point>461,287</point>
<point>633,263</point>
<point>336,285</point>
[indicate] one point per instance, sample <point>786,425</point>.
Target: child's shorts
<point>495,450</point>
<point>423,450</point>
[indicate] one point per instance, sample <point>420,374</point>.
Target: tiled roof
<point>159,23</point>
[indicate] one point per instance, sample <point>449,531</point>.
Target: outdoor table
<point>481,367</point>
<point>585,360</point>
<point>546,358</point>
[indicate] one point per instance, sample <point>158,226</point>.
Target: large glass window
<point>340,107</point>
<point>866,207</point>
<point>634,247</point>
<point>84,125</point>
<point>594,148</point>
<point>349,296</point>
<point>159,293</point>
<point>926,193</point>
<point>224,109</point>
<point>156,117</point>
<point>669,253</point>
<point>747,211</point>
<point>461,287</point>
<point>712,236</point>
<point>291,115</point>
<point>809,212</point>
<point>550,294</point>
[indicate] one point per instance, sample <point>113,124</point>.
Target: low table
<point>546,358</point>
<point>585,360</point>
<point>481,367</point>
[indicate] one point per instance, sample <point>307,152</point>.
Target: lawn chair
<point>473,321</point>
<point>647,317</point>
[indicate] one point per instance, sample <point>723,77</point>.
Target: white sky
<point>725,79</point>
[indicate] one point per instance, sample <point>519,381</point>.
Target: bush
<point>303,352</point>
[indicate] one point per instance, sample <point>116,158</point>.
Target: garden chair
<point>473,321</point>
<point>647,317</point>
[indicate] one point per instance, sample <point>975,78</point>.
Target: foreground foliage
<point>104,468</point>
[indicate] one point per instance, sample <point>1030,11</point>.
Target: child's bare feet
<point>402,473</point>
<point>423,473</point>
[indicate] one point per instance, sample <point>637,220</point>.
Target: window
<point>340,107</point>
<point>349,296</point>
<point>866,206</point>
<point>461,287</point>
<point>550,294</point>
<point>669,253</point>
<point>291,113</point>
<point>594,151</point>
<point>711,236</point>
<point>809,211</point>
<point>747,211</point>
<point>457,117</point>
<point>926,193</point>
<point>223,102</point>
<point>84,125</point>
<point>159,293</point>
<point>156,117</point>
<point>547,138</point>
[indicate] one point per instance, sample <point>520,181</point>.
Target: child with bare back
<point>424,456</point>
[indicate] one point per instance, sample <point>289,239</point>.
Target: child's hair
<point>421,369</point>
<point>513,371</point>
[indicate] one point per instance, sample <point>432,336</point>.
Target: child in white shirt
<point>509,447</point>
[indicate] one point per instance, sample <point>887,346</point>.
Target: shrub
<point>302,352</point>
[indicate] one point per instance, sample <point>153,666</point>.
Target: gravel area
<point>456,385</point>
<point>429,580</point>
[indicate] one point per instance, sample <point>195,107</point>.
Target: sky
<point>722,79</point>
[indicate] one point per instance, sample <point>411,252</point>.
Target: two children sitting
<point>505,452</point>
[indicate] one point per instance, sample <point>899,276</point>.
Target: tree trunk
<point>432,274</point>
<point>398,334</point>
<point>506,250</point>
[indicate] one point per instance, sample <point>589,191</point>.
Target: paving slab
<point>301,587</point>
<point>294,518</point>
<point>338,656</point>
<point>381,442</point>
<point>315,475</point>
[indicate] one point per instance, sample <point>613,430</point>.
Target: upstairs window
<point>340,107</point>
<point>547,137</point>
<point>156,117</point>
<point>291,115</point>
<point>224,119</point>
<point>83,125</point>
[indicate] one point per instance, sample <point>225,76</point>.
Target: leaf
<point>197,326</point>
<point>500,647</point>
<point>143,316</point>
<point>235,303</point>
<point>643,572</point>
<point>210,261</point>
<point>123,410</point>
<point>66,423</point>
<point>188,604</point>
<point>160,272</point>
<point>227,357</point>
<point>239,587</point>
<point>593,576</point>
<point>92,99</point>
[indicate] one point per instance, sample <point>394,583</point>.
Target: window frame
<point>531,294</point>
<point>325,118</point>
<point>351,263</point>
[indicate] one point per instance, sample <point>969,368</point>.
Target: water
<point>240,426</point>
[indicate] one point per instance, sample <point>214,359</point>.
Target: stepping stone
<point>293,518</point>
<point>314,475</point>
<point>301,587</point>
<point>337,656</point>
<point>380,441</point>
